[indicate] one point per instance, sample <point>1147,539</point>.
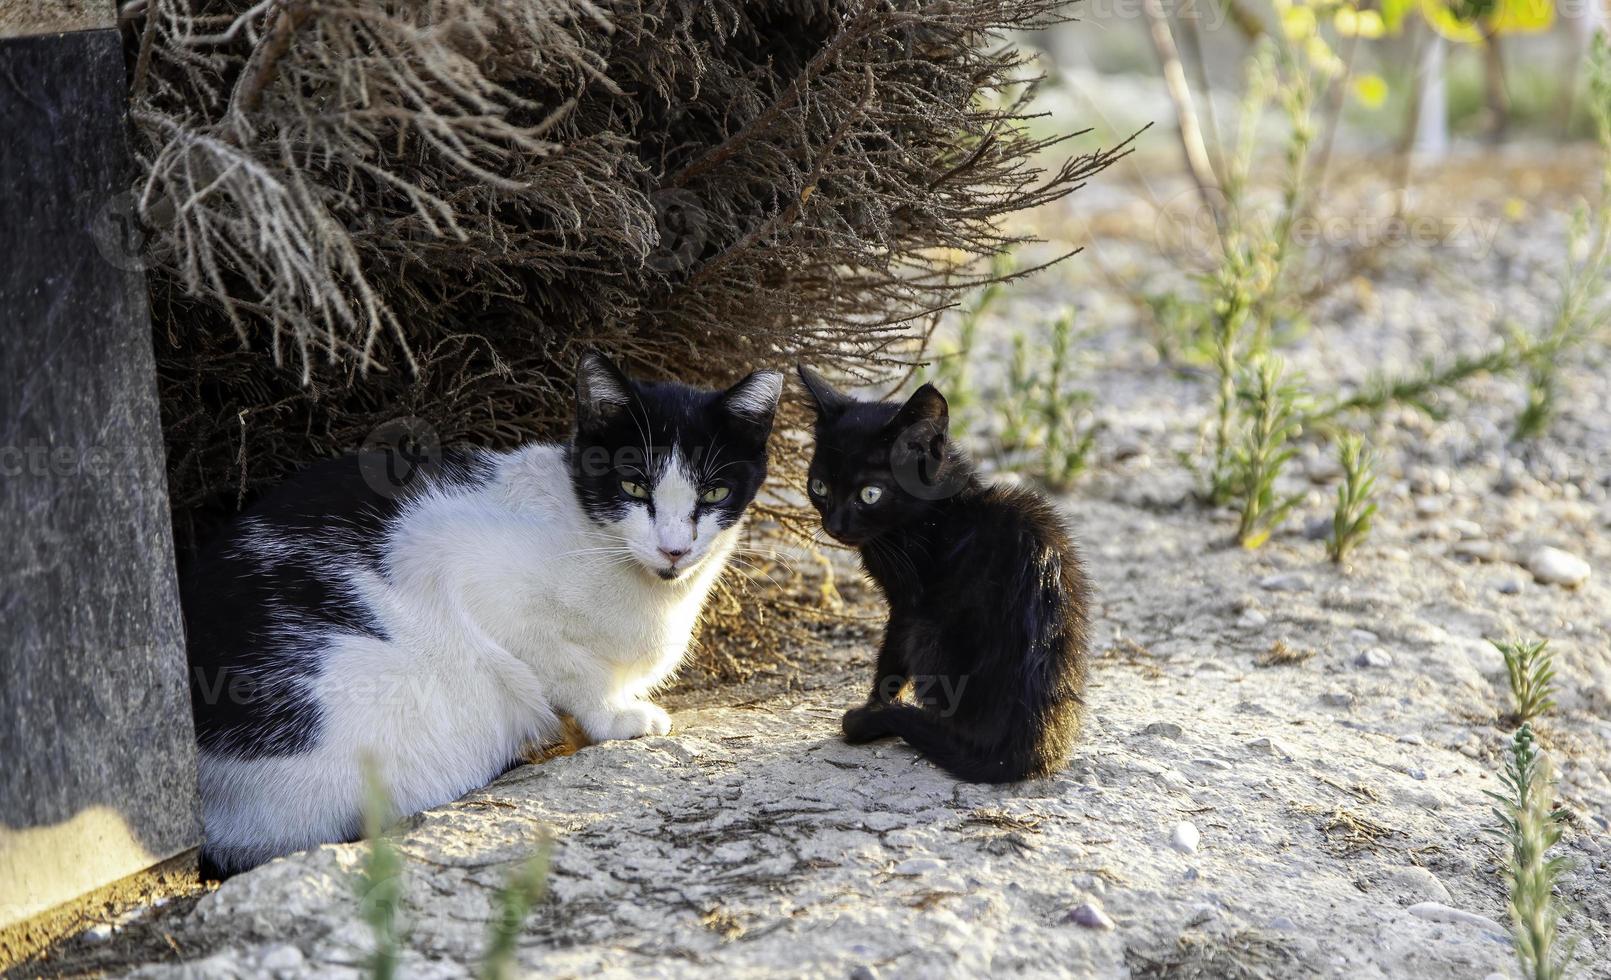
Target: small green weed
<point>1529,827</point>
<point>380,887</point>
<point>1530,668</point>
<point>1270,406</point>
<point>1351,519</point>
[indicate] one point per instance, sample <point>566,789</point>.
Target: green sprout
<point>1350,522</point>
<point>1529,827</point>
<point>1270,407</point>
<point>380,881</point>
<point>1532,676</point>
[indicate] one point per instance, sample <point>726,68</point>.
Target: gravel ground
<point>1284,762</point>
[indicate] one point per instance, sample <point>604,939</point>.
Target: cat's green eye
<point>819,489</point>
<point>714,495</point>
<point>871,494</point>
<point>634,490</point>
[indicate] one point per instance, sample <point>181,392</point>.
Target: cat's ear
<point>829,401</point>
<point>918,452</point>
<point>927,408</point>
<point>753,401</point>
<point>601,389</point>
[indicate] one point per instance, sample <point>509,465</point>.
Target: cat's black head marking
<point>630,434</point>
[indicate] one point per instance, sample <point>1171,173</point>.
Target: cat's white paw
<point>633,721</point>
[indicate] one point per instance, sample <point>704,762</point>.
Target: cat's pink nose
<point>672,555</point>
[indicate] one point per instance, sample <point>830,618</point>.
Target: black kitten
<point>987,599</point>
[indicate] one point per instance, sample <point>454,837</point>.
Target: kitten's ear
<point>829,401</point>
<point>601,389</point>
<point>926,407</point>
<point>918,454</point>
<point>754,400</point>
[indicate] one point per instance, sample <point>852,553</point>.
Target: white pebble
<point>1552,566</point>
<point>284,958</point>
<point>1270,746</point>
<point>1420,883</point>
<point>1374,657</point>
<point>1290,582</point>
<point>1430,506</point>
<point>918,866</point>
<point>1475,549</point>
<point>98,933</point>
<point>1091,916</point>
<point>1438,912</point>
<point>1252,619</point>
<point>1185,837</point>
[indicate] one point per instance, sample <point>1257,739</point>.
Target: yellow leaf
<point>1370,90</point>
<point>1256,540</point>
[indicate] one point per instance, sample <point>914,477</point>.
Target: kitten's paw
<point>633,721</point>
<point>864,724</point>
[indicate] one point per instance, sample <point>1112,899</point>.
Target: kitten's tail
<point>1020,755</point>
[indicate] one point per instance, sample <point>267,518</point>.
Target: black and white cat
<point>432,633</point>
<point>987,598</point>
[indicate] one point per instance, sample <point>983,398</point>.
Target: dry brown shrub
<point>370,209</point>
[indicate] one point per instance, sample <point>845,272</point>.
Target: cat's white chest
<point>629,618</point>
<point>531,575</point>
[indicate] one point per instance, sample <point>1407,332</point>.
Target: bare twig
<point>265,60</point>
<point>1191,136</point>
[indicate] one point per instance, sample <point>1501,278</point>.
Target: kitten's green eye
<point>871,494</point>
<point>634,490</point>
<point>715,495</point>
<point>819,489</point>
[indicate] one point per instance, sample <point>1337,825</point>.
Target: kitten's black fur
<point>987,597</point>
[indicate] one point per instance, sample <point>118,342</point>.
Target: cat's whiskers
<point>788,561</point>
<point>615,549</point>
<point>754,569</point>
<point>900,561</point>
<point>709,473</point>
<point>757,568</point>
<point>640,421</point>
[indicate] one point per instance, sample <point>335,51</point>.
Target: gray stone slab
<point>97,759</point>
